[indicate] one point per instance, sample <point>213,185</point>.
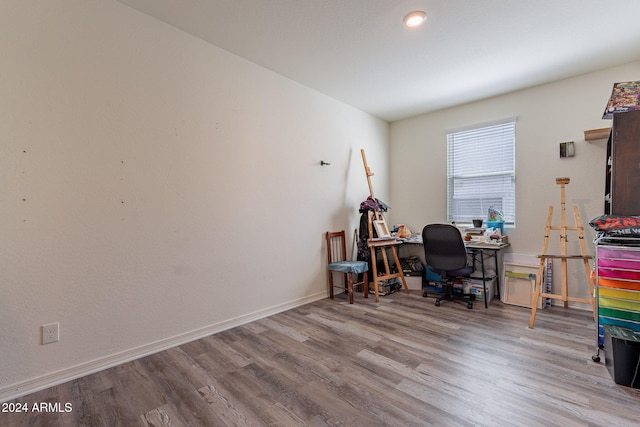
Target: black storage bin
<point>622,355</point>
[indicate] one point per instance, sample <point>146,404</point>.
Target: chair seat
<point>466,271</point>
<point>349,266</point>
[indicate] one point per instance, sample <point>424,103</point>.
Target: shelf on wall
<point>596,134</point>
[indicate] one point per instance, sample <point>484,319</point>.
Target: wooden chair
<point>337,261</point>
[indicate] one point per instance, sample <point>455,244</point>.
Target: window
<point>481,172</point>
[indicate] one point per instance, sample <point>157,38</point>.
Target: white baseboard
<point>22,388</point>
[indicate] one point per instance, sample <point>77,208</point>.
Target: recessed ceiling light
<point>415,19</point>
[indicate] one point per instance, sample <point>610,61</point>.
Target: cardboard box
<point>414,283</point>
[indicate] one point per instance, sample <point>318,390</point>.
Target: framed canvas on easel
<point>382,231</point>
<point>519,285</point>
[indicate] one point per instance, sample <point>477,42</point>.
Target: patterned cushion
<point>349,266</point>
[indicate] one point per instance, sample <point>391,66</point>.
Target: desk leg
<point>374,267</point>
<point>495,258</point>
<point>484,278</point>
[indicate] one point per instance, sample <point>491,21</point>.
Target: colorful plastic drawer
<point>633,316</point>
<point>619,284</point>
<point>614,273</point>
<point>634,326</point>
<point>619,294</point>
<point>619,263</point>
<point>619,303</point>
<point>612,252</point>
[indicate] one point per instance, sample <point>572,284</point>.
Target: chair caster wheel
<point>595,358</point>
<point>470,305</point>
<point>424,294</point>
<point>437,303</point>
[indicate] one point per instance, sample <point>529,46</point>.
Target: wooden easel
<point>563,257</point>
<point>383,245</point>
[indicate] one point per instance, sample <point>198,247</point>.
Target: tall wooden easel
<point>383,245</point>
<point>564,257</point>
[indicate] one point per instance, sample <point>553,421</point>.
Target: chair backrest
<point>336,246</point>
<point>444,248</point>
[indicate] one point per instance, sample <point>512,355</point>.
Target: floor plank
<point>400,362</point>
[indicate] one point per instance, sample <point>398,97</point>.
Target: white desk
<point>489,249</point>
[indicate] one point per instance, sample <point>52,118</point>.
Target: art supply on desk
<point>490,236</point>
<point>495,219</point>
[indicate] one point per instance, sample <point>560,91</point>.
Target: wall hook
<point>323,163</point>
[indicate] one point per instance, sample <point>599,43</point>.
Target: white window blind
<point>481,172</point>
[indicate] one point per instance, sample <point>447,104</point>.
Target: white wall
<point>546,115</point>
<point>156,188</point>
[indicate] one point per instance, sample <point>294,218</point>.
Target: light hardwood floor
<point>401,362</point>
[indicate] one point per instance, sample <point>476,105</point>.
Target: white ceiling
<point>359,52</point>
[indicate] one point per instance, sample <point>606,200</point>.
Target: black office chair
<point>445,252</point>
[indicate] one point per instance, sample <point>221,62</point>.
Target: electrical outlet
<point>50,333</point>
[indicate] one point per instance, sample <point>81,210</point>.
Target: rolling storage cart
<point>617,294</point>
